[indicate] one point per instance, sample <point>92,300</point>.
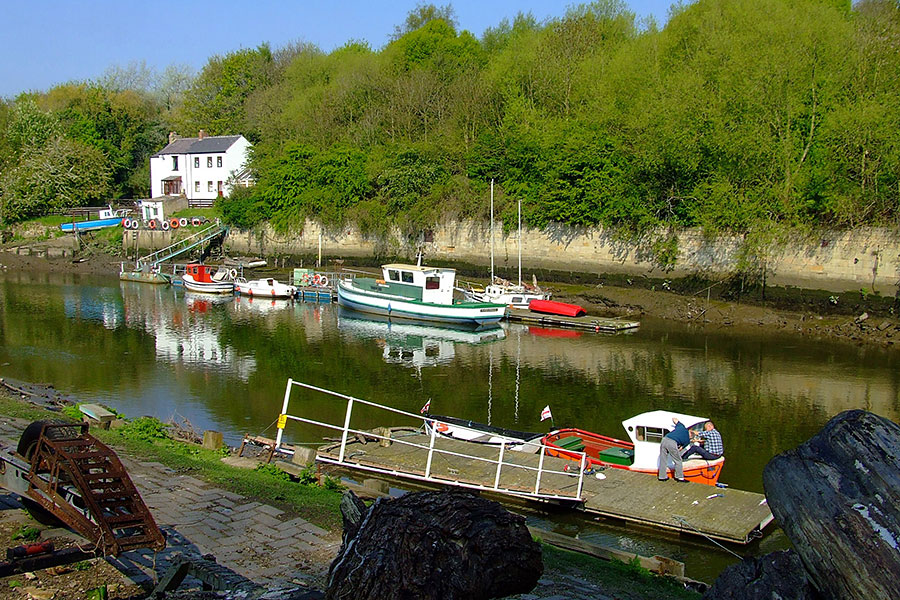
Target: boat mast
<point>520,242</point>
<point>492,231</point>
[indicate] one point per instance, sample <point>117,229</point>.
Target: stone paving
<point>257,541</point>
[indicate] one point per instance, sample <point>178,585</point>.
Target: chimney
<point>202,134</point>
<point>172,136</point>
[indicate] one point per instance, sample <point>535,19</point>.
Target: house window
<point>220,188</point>
<point>174,163</point>
<point>196,162</point>
<point>209,162</point>
<point>196,186</point>
<point>209,186</point>
<point>219,161</point>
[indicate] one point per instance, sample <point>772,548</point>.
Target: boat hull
<point>480,313</point>
<point>603,451</point>
<point>91,225</point>
<point>479,433</point>
<point>552,307</point>
<point>216,287</point>
<point>264,290</point>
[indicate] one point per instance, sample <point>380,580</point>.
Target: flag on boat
<point>545,414</point>
<point>426,407</point>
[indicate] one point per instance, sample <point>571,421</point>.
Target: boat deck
<point>587,322</point>
<point>724,514</point>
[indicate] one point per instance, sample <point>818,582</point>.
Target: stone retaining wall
<point>861,259</point>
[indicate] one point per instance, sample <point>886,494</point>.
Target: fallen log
<point>837,497</point>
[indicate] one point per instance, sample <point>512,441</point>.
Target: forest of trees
<point>742,116</point>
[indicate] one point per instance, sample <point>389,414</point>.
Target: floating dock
<point>723,514</point>
<point>410,453</point>
<point>587,322</point>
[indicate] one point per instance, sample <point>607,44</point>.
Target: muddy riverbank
<point>855,317</point>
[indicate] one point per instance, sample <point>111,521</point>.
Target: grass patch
<point>620,580</point>
<point>17,408</point>
<point>27,534</point>
<point>209,213</point>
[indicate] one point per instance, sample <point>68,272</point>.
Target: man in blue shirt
<point>671,448</point>
<point>712,447</point>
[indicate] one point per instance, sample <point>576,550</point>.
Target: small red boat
<point>641,453</point>
<point>552,307</point>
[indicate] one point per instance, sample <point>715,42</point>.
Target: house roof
<point>208,145</point>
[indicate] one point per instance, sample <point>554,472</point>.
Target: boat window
<point>650,434</point>
<point>432,283</point>
<point>407,276</point>
<point>517,300</point>
<point>393,275</point>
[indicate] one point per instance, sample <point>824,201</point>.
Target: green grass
<point>620,580</point>
<point>209,213</point>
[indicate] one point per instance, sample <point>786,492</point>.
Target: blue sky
<point>47,42</point>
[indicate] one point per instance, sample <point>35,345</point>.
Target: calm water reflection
<point>222,363</point>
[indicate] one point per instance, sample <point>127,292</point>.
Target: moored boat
<point>504,292</point>
<point>197,278</point>
<point>479,433</point>
<point>552,307</point>
<point>415,292</point>
<point>267,287</point>
<point>107,218</point>
<point>640,453</point>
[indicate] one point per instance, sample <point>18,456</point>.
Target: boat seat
<point>571,442</point>
<point>617,456</point>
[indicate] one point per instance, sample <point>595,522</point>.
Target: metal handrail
<point>346,431</point>
<point>182,245</point>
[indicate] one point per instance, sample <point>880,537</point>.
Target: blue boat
<point>108,218</point>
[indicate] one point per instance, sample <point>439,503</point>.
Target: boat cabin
<point>200,273</point>
<point>428,284</point>
<point>110,213</point>
<point>647,430</point>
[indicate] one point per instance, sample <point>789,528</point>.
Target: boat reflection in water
<point>414,344</point>
<point>260,305</point>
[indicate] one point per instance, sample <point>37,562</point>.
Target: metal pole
<point>284,407</point>
<point>492,231</point>
<point>430,450</point>
<point>520,242</point>
<point>537,484</point>
<point>581,476</point>
<point>346,429</point>
<point>319,262</point>
<point>499,466</point>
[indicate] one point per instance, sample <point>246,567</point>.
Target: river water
<point>223,363</point>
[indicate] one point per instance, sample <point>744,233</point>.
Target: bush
<point>145,429</point>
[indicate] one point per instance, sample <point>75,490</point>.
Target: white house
<point>198,167</point>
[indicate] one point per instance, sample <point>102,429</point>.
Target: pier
<point>409,453</point>
<point>587,322</point>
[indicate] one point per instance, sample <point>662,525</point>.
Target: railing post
<point>537,484</point>
<point>430,450</point>
<point>499,466</point>
<point>346,430</point>
<point>581,475</point>
<point>284,406</point>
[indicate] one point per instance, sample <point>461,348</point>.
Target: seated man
<point>712,447</point>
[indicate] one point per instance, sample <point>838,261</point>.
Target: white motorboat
<point>267,287</point>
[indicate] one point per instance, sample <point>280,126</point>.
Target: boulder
<point>837,497</point>
<point>444,545</point>
<point>776,575</point>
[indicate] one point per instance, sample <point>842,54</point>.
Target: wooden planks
<point>730,515</point>
<point>587,322</point>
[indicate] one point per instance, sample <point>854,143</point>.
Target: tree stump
<point>433,545</point>
<point>776,575</point>
<point>837,497</point>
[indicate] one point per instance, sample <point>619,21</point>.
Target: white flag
<point>545,414</point>
<point>426,407</point>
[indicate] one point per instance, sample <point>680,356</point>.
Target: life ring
<point>441,427</point>
<point>316,279</point>
<point>323,281</point>
<point>173,223</point>
<point>232,273</point>
<point>249,291</point>
<point>165,225</point>
<point>152,224</point>
<point>195,222</point>
<point>305,279</point>
<point>183,222</point>
<point>126,223</point>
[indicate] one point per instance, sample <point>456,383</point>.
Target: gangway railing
<point>181,246</point>
<point>539,472</point>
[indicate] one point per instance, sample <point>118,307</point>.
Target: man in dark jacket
<point>671,447</point>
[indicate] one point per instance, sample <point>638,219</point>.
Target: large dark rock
<point>837,497</point>
<point>778,575</point>
<point>434,545</point>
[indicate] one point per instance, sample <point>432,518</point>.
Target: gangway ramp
<point>408,452</point>
<point>182,246</point>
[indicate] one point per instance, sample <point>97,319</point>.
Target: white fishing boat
<point>267,287</point>
<point>415,292</point>
<point>500,290</point>
<point>197,278</point>
<point>479,433</point>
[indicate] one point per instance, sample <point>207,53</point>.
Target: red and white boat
<point>640,453</point>
<point>197,278</point>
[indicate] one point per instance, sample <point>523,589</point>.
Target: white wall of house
<point>203,176</point>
